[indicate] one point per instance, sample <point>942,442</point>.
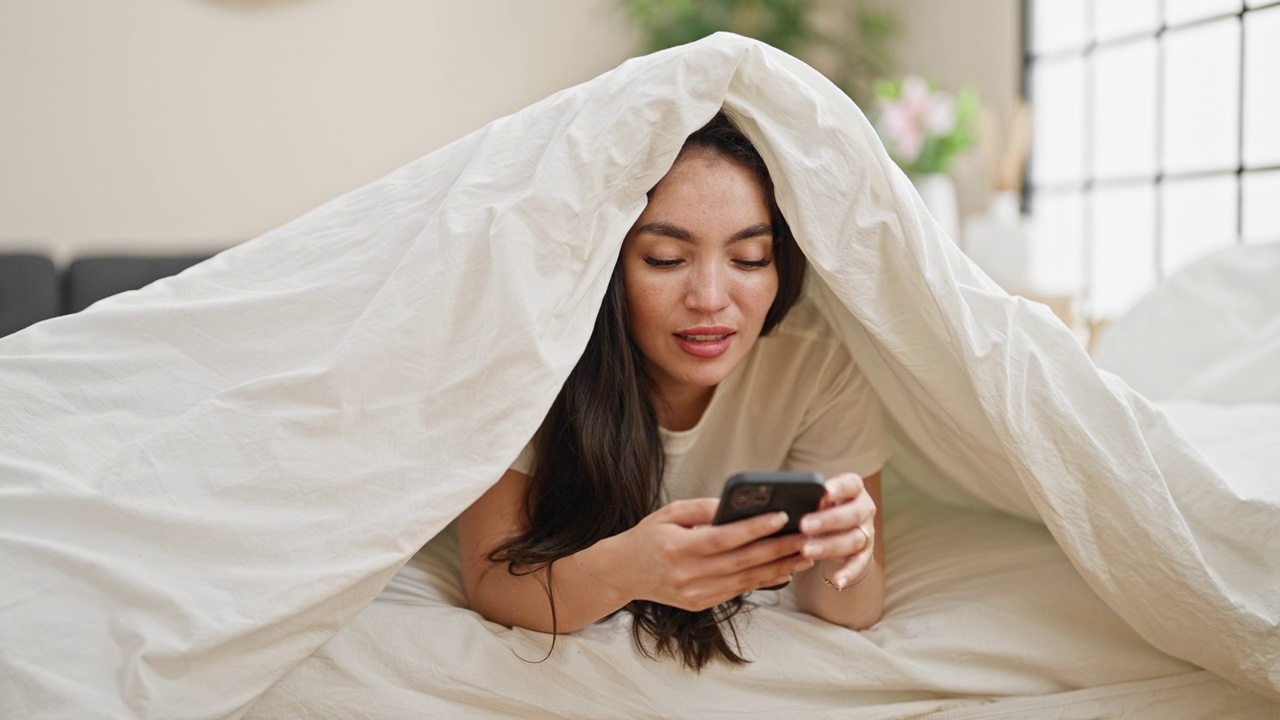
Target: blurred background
<point>1150,134</point>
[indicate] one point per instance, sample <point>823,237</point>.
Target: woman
<point>672,394</point>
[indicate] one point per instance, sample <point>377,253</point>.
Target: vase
<point>938,192</point>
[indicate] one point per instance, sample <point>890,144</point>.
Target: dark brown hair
<point>599,460</point>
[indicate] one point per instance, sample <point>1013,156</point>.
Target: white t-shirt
<point>797,401</point>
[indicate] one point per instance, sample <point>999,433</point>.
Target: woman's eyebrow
<point>751,232</point>
<point>665,229</point>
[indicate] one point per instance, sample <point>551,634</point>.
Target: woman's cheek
<point>764,288</point>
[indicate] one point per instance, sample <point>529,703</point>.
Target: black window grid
<point>1089,183</point>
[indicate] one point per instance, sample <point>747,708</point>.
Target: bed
<point>985,615</point>
<point>229,494</point>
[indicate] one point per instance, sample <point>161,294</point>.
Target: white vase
<point>938,192</point>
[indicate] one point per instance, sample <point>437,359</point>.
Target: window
<point>1156,138</point>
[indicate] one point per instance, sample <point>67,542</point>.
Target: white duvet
<point>203,481</point>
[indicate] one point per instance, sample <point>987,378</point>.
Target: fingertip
<point>811,524</point>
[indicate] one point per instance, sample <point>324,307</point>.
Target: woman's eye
<point>662,262</point>
<point>754,264</point>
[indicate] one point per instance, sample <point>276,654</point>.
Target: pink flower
<point>908,121</point>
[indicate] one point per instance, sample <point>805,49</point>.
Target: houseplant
<point>924,128</point>
<point>848,40</point>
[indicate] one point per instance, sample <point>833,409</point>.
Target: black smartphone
<point>752,493</point>
<point>747,494</point>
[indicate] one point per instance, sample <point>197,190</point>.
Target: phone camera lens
<point>751,497</point>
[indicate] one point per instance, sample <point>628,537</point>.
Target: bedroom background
<point>181,128</point>
<point>145,129</point>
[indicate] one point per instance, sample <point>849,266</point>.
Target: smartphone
<point>747,494</point>
<point>751,493</point>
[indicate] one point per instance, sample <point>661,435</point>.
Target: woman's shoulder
<point>804,331</point>
<point>803,348</point>
<point>804,318</point>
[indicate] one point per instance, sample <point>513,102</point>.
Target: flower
<point>923,128</point>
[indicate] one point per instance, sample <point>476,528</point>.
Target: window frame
<point>1090,183</point>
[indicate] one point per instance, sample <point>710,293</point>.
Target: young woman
<point>610,505</point>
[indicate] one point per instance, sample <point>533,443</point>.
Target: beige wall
<point>167,125</point>
<point>189,125</point>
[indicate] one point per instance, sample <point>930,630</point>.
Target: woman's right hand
<point>673,556</point>
<point>676,557</point>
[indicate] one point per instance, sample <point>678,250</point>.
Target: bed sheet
<point>985,617</point>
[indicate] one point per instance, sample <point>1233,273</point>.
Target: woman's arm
<point>844,430</point>
<point>673,556</point>
<point>838,544</point>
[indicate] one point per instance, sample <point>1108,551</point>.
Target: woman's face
<point>699,273</point>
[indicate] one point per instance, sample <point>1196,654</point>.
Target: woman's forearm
<point>858,606</point>
<point>585,591</point>
<point>584,586</point>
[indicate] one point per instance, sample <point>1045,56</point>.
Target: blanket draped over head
<point>202,480</point>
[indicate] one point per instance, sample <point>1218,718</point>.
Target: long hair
<point>599,459</point>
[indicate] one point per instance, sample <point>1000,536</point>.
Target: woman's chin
<point>704,373</point>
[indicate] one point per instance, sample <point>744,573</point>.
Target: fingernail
<point>812,549</point>
<point>811,525</point>
<point>779,519</point>
<point>841,580</point>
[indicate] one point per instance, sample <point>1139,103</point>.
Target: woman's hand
<point>674,556</point>
<point>842,531</point>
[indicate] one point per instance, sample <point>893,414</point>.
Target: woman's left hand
<point>842,531</point>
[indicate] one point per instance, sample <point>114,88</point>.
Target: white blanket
<point>202,481</point>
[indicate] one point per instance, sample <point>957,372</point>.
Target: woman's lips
<point>705,342</point>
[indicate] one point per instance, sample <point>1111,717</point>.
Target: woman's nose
<point>708,291</point>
